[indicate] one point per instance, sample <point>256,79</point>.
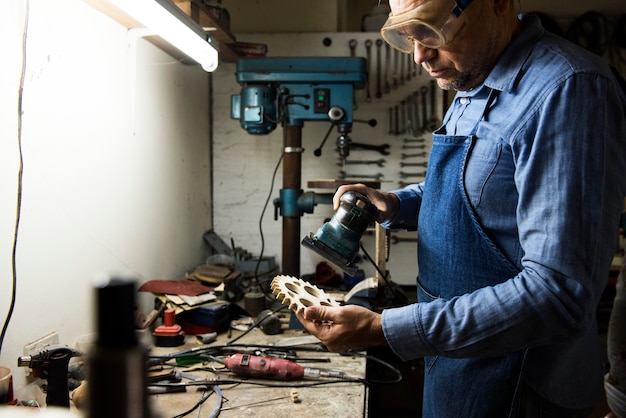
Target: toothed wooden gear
<point>298,294</point>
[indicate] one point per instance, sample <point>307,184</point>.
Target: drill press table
<point>342,399</point>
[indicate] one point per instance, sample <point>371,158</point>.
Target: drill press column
<point>292,168</point>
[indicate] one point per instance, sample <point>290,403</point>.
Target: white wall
<point>115,141</point>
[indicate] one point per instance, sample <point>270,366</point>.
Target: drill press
<point>290,91</point>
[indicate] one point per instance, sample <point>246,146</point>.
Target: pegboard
<point>406,104</point>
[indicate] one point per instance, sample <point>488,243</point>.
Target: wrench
<point>396,123</point>
<point>352,44</point>
<point>368,51</point>
<point>409,117</point>
<point>401,70</point>
<point>379,44</point>
<point>422,146</point>
<point>423,91</point>
<point>387,87</point>
<point>343,175</point>
<point>433,122</point>
<point>407,175</point>
<point>402,128</point>
<point>421,154</point>
<point>408,66</point>
<point>422,164</point>
<point>380,162</point>
<point>382,148</point>
<point>396,54</point>
<point>415,112</point>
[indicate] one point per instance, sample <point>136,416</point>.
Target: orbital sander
<point>338,239</point>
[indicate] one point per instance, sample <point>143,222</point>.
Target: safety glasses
<point>432,24</point>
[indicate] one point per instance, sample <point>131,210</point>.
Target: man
<point>517,217</point>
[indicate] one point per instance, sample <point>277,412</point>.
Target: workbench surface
<point>340,399</point>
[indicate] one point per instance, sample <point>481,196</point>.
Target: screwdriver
<point>275,368</point>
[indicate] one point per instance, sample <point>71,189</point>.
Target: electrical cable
<point>255,325</point>
<point>216,411</point>
<point>220,400</point>
<point>400,296</point>
<point>20,172</point>
<point>269,196</point>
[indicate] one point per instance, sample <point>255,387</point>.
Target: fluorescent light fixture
<point>169,22</point>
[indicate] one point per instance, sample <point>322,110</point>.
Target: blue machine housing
<point>294,90</point>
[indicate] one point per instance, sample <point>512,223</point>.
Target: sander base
<point>330,254</point>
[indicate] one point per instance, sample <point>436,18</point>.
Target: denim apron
<point>457,257</point>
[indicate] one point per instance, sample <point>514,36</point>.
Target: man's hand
<point>387,203</point>
<point>344,328</point>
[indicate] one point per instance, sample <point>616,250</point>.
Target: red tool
<point>274,368</point>
<point>170,334</point>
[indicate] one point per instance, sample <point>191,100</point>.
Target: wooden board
<point>333,184</point>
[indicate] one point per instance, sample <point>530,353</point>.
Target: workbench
<point>338,399</point>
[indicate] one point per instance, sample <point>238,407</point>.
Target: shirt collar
<point>508,68</point>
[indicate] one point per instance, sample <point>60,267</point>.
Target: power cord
<point>205,396</point>
<point>400,297</point>
<point>20,98</point>
<point>269,196</point>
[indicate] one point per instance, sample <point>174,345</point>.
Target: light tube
<point>169,22</point>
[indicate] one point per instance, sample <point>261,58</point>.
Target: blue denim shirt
<point>547,180</point>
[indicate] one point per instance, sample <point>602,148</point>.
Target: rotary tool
<point>275,368</point>
<point>338,239</point>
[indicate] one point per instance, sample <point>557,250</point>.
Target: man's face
<point>465,61</point>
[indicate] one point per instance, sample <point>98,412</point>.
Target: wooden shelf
<point>200,14</point>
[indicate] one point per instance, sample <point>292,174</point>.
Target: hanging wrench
<point>401,70</point>
<point>387,88</point>
<point>352,44</point>
<point>423,91</point>
<point>396,54</point>
<point>381,162</point>
<point>383,148</point>
<point>402,128</point>
<point>396,119</point>
<point>422,146</point>
<point>421,154</point>
<point>368,52</point>
<point>418,174</point>
<point>422,164</point>
<point>408,66</point>
<point>433,121</point>
<point>379,92</point>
